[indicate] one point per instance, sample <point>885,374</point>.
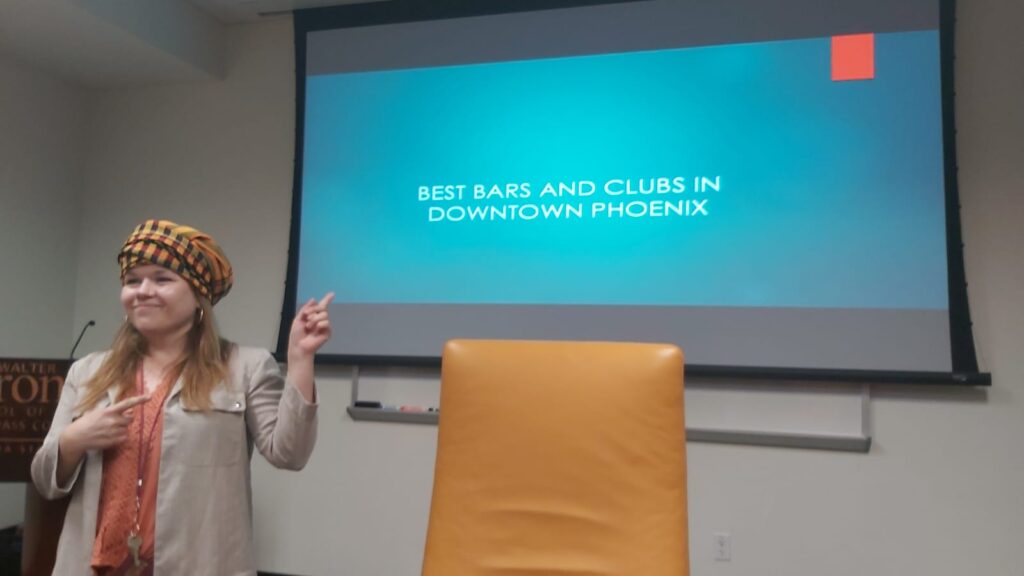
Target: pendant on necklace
<point>134,544</point>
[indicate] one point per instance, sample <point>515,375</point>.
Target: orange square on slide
<point>853,57</point>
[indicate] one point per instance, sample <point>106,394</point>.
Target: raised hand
<point>311,328</point>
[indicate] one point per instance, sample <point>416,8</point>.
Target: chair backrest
<point>559,458</point>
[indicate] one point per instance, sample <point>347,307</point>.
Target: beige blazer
<point>204,495</point>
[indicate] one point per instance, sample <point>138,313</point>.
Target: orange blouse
<point>116,514</point>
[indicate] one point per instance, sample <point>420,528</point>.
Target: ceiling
<point>117,43</point>
<point>239,11</point>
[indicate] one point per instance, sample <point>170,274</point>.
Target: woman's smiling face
<point>157,301</point>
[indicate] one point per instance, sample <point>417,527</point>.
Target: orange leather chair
<point>559,459</point>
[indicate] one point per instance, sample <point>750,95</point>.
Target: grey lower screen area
<point>840,339</point>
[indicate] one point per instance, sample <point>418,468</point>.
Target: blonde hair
<point>202,367</point>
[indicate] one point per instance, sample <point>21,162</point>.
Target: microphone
<point>80,334</point>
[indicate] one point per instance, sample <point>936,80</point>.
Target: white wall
<point>939,493</point>
<point>216,155</point>
<point>40,172</point>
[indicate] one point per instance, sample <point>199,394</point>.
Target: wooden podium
<point>29,390</point>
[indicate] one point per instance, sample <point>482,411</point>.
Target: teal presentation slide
<point>737,175</point>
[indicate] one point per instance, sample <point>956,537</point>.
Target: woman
<point>152,439</point>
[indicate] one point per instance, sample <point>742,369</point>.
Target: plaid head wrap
<point>187,252</point>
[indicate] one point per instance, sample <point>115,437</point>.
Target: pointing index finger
<point>127,403</point>
<point>326,300</point>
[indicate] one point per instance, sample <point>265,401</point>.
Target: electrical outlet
<point>723,546</point>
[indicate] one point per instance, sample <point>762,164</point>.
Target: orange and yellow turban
<point>191,254</point>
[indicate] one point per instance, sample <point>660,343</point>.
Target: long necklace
<point>135,535</point>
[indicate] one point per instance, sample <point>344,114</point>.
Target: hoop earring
<point>202,315</point>
<point>125,318</point>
